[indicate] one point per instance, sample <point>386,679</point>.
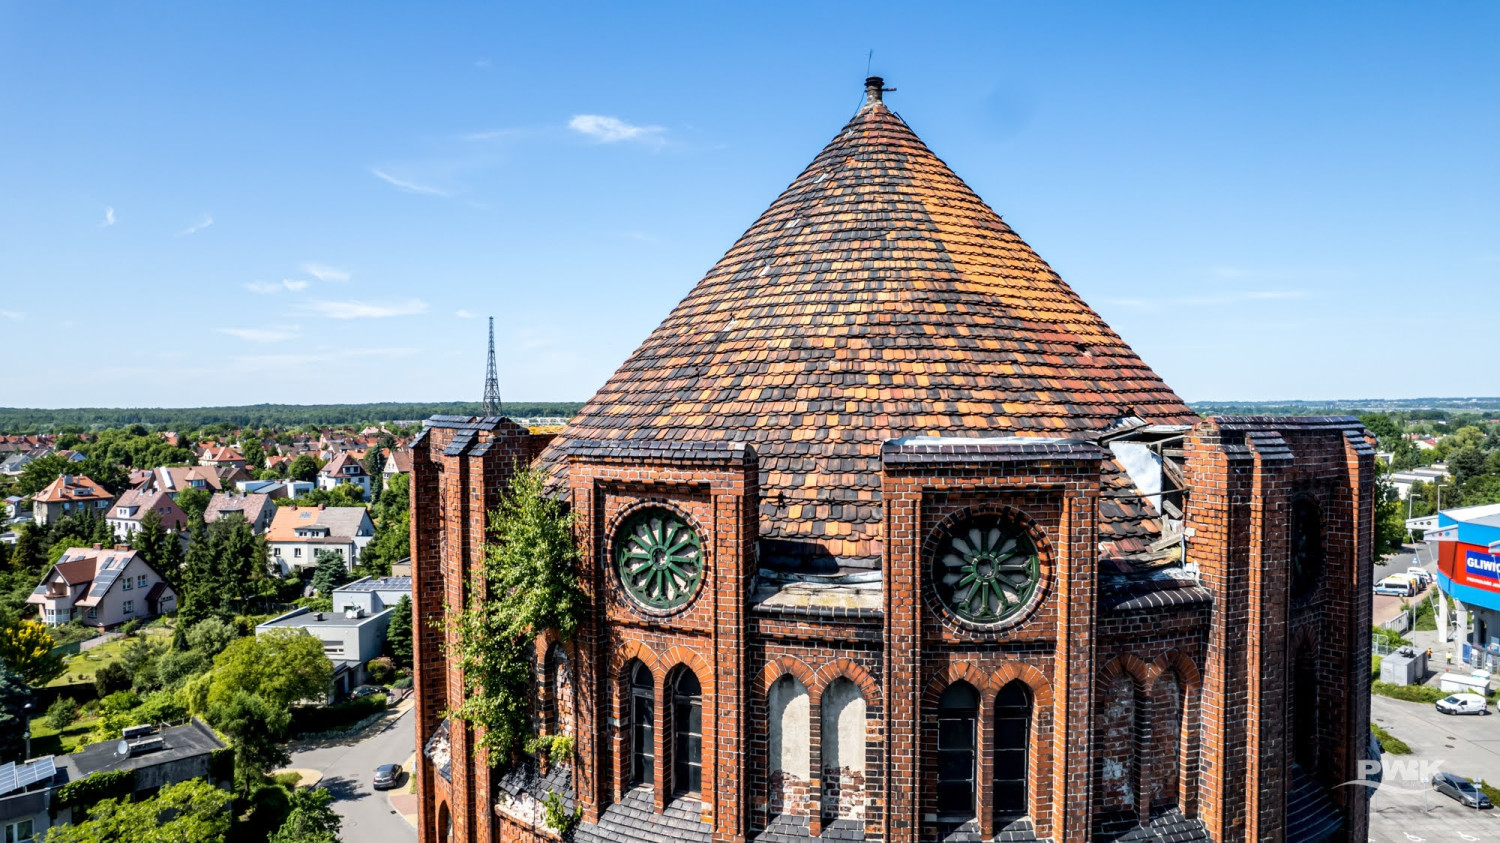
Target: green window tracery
<point>659,558</point>
<point>986,569</point>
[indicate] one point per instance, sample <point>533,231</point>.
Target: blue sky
<point>206,203</point>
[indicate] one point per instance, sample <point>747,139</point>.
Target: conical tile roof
<point>877,297</point>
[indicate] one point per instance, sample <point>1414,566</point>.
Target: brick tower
<point>889,537</point>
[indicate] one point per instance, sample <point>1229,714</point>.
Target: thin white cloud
<point>482,64</point>
<point>366,310</point>
<point>324,272</point>
<point>13,314</point>
<point>408,186</point>
<point>109,216</point>
<point>261,334</point>
<point>194,229</point>
<point>605,129</point>
<point>464,314</point>
<point>266,288</point>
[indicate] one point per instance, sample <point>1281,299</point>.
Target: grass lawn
<point>82,667</point>
<point>45,741</point>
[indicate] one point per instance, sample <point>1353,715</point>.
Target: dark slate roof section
<point>633,820</point>
<point>789,829</point>
<point>1156,598</point>
<point>1264,432</point>
<point>526,780</point>
<point>180,742</point>
<point>922,450</point>
<point>725,452</point>
<point>1174,827</point>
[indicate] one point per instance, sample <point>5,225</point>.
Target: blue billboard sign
<point>1482,569</point>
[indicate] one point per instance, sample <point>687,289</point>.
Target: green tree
<point>111,678</point>
<point>193,811</point>
<point>304,467</point>
<point>531,576</point>
<point>15,695</point>
<point>392,540</point>
<point>212,636</point>
<point>194,502</point>
<point>398,634</point>
<point>1466,464</point>
<point>159,546</point>
<point>255,455</point>
<point>26,647</point>
<point>28,554</point>
<point>281,666</point>
<point>255,727</point>
<point>330,573</point>
<point>311,819</point>
<point>40,472</point>
<point>225,567</point>
<point>1385,428</point>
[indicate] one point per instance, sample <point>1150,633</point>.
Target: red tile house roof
<point>877,297</point>
<point>71,487</point>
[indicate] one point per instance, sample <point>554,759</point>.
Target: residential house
<point>230,475</point>
<point>298,532</point>
<point>69,495</point>
<point>351,638</point>
<point>12,443</point>
<point>343,468</point>
<point>221,456</point>
<point>159,757</point>
<point>14,507</point>
<point>14,464</point>
<point>125,515</point>
<point>397,461</point>
<point>276,489</point>
<point>26,797</point>
<point>257,509</point>
<point>173,479</point>
<point>372,594</point>
<point>102,587</point>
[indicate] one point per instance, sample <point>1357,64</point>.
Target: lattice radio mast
<point>492,379</point>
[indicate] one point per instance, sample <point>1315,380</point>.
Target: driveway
<point>1405,809</point>
<point>348,766</point>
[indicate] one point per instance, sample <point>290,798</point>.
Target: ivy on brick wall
<point>530,585</point>
<point>108,784</point>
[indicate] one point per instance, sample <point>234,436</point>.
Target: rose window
<point>986,569</point>
<point>659,558</point>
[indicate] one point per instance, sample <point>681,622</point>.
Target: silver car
<point>386,776</point>
<point>1466,792</point>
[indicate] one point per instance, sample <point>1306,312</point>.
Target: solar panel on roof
<point>16,777</point>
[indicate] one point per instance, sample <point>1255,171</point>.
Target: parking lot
<point>1405,808</point>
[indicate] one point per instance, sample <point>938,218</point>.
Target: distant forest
<point>24,420</point>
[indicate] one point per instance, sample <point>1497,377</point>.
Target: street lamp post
<point>26,713</point>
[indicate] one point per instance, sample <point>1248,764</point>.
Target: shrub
<point>381,669</point>
<point>1374,668</point>
<point>1410,693</point>
<point>288,780</point>
<point>401,684</point>
<point>130,627</point>
<point>107,784</point>
<point>120,702</point>
<point>62,713</point>
<point>332,718</point>
<point>111,678</point>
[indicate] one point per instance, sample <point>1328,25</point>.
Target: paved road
<point>347,768</point>
<point>1405,809</point>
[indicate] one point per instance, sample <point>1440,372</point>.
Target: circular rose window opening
<point>985,569</point>
<point>659,558</point>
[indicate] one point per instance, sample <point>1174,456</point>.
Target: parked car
<point>366,691</point>
<point>1423,575</point>
<point>1463,704</point>
<point>1398,584</point>
<point>386,776</point>
<point>1466,792</point>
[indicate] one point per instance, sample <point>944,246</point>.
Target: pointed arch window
<point>957,716</point>
<point>687,734</point>
<point>642,726</point>
<point>1012,747</point>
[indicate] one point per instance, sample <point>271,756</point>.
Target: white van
<point>1399,585</point>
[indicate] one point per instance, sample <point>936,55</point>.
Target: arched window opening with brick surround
<point>1012,747</point>
<point>789,746</point>
<point>1116,748</point>
<point>642,725</point>
<point>1169,705</point>
<point>1304,714</point>
<point>444,824</point>
<point>843,745</point>
<point>957,752</point>
<point>687,733</point>
<point>557,697</point>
